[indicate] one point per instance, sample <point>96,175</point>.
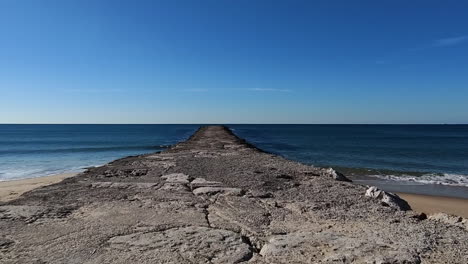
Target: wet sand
<point>436,204</point>
<point>10,190</point>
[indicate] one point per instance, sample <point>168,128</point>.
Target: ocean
<point>405,156</point>
<point>28,151</point>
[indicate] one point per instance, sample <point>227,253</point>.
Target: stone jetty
<point>215,198</point>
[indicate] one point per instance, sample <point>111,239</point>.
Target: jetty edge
<point>215,198</point>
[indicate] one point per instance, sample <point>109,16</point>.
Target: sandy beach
<point>10,190</point>
<point>436,204</point>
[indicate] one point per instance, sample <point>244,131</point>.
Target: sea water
<point>28,151</point>
<point>435,154</point>
<point>406,155</point>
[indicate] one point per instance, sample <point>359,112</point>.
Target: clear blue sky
<point>243,61</point>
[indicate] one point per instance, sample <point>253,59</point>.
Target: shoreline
<point>12,189</point>
<point>422,203</point>
<point>215,198</point>
<point>436,190</point>
<point>429,204</point>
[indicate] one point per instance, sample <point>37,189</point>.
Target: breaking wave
<point>431,178</point>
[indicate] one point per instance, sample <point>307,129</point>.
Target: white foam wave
<point>34,173</point>
<point>443,179</point>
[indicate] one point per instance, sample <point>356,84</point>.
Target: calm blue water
<point>425,154</point>
<point>36,150</point>
<point>411,153</point>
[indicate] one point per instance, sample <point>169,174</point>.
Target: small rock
<point>330,172</point>
<point>388,198</point>
<point>420,216</point>
<point>450,219</point>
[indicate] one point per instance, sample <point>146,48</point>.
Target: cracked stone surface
<point>200,182</point>
<point>176,178</point>
<point>217,190</point>
<point>217,199</point>
<point>199,244</point>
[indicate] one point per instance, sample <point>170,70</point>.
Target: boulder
<point>387,198</point>
<point>330,172</point>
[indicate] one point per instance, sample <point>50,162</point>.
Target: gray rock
<point>308,218</point>
<point>450,219</point>
<point>259,194</point>
<point>192,244</point>
<point>280,245</point>
<point>200,182</point>
<point>174,186</point>
<point>124,185</point>
<point>330,172</point>
<point>5,242</point>
<point>138,172</point>
<point>21,211</point>
<point>176,178</point>
<point>215,190</point>
<point>388,198</point>
<point>332,247</point>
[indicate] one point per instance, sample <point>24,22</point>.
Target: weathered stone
<point>450,219</point>
<point>5,242</point>
<point>215,190</point>
<point>30,214</point>
<point>259,194</point>
<point>193,244</point>
<point>174,186</point>
<point>21,211</point>
<point>200,182</point>
<point>160,157</point>
<point>388,198</point>
<point>332,247</point>
<point>176,178</point>
<point>138,172</point>
<point>163,163</point>
<point>148,219</point>
<point>331,173</point>
<point>124,185</point>
<point>243,214</point>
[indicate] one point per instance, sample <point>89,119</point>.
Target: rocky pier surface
<point>217,199</point>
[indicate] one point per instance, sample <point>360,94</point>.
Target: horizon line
<point>414,124</point>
